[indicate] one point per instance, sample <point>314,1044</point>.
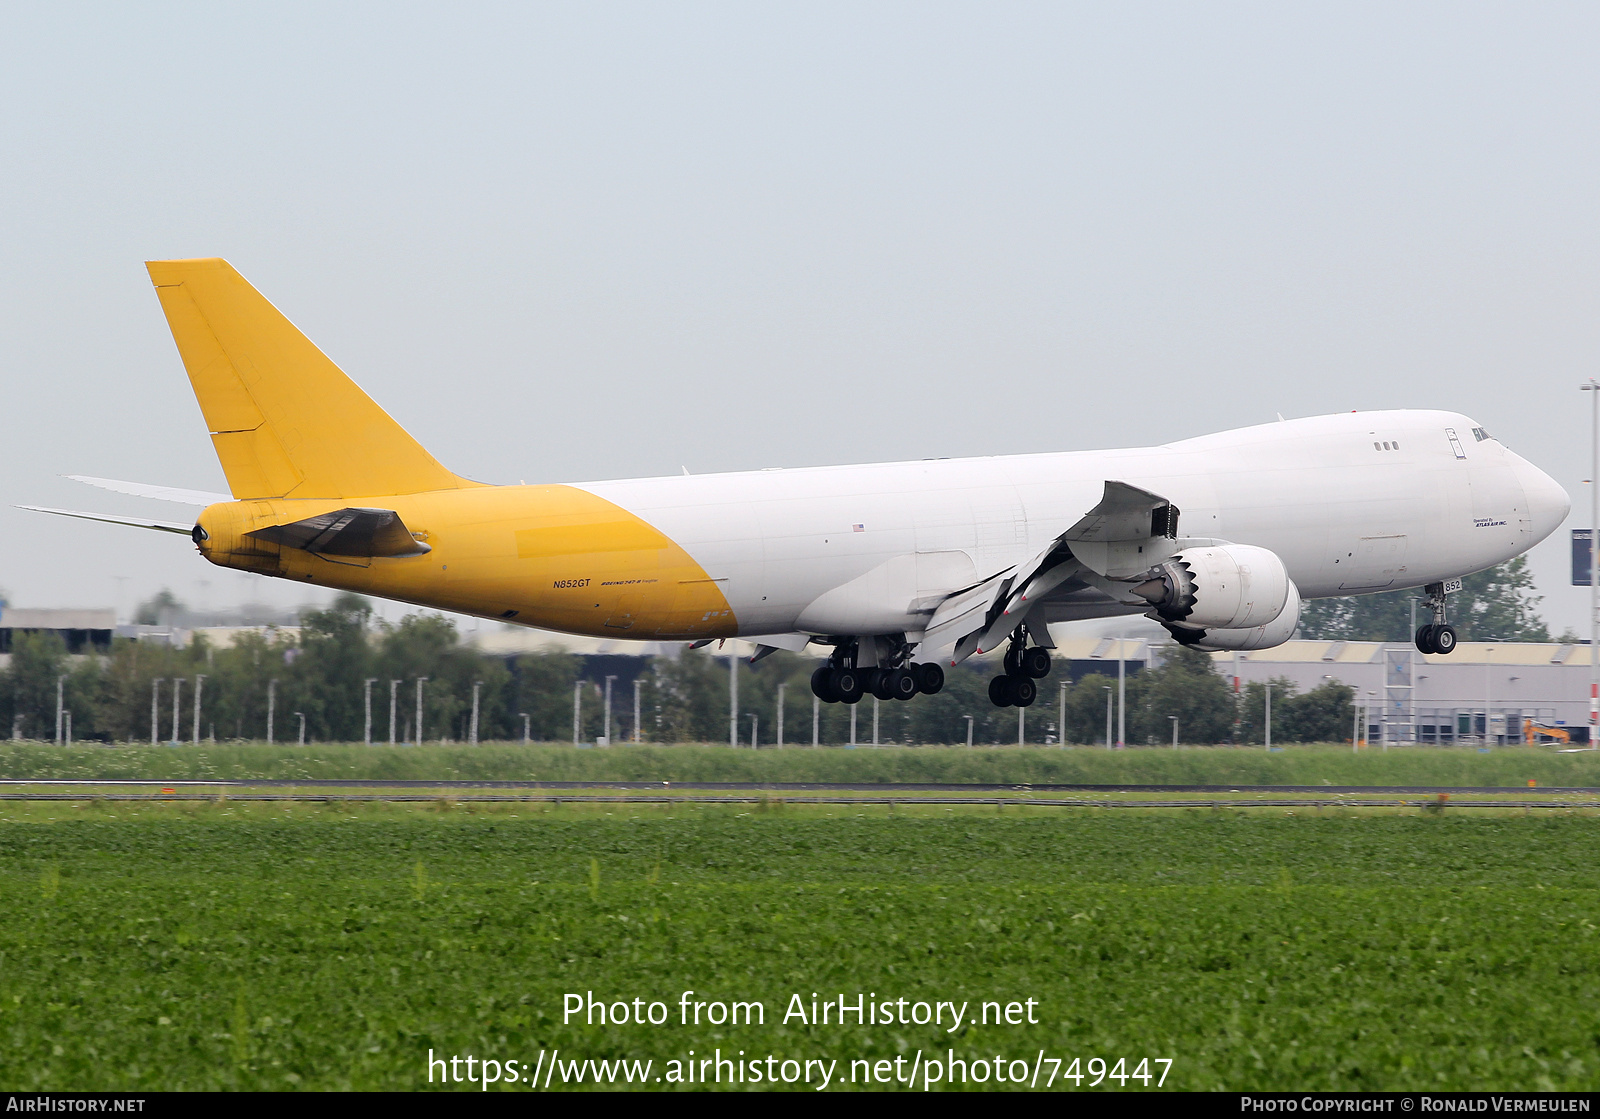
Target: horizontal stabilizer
<point>136,522</point>
<point>370,533</point>
<point>160,493</point>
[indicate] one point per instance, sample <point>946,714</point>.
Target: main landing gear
<point>840,681</point>
<point>1022,667</point>
<point>1438,636</point>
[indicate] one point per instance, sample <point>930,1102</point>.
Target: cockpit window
<point>1480,435</point>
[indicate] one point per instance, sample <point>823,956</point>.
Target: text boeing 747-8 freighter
<point>900,568</point>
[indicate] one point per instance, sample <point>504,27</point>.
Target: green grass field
<point>1298,765</point>
<point>218,945</point>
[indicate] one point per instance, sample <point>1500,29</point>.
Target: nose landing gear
<point>1438,636</point>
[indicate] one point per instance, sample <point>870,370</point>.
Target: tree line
<point>321,675</point>
<point>1493,605</point>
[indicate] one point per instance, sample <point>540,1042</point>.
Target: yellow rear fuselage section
<point>551,556</point>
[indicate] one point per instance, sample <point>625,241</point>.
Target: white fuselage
<point>1353,503</point>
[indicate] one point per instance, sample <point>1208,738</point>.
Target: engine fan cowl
<point>1231,586</point>
<point>1268,636</point>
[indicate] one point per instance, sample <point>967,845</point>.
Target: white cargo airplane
<point>900,568</point>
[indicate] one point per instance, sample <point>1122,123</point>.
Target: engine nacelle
<point>1274,633</point>
<point>1231,586</point>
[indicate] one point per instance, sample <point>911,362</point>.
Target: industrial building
<point>84,631</point>
<point>1505,690</point>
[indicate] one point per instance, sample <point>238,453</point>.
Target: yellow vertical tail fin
<point>285,420</point>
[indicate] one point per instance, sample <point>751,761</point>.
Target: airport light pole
<point>875,720</point>
<point>1268,717</point>
<point>1122,694</point>
<point>607,732</point>
<point>780,712</point>
<point>155,711</point>
<point>733,698</point>
<point>272,703</point>
<point>577,710</point>
<point>1592,387</point>
<point>301,715</point>
<point>421,680</point>
<point>199,683</point>
<point>816,721</point>
<point>1107,689</point>
<point>473,733</point>
<point>1174,719</point>
<point>61,686</point>
<point>366,705</point>
<point>638,731</point>
<point>394,692</point>
<point>755,726</point>
<point>1061,715</point>
<point>1022,735</point>
<point>968,718</point>
<point>1488,694</point>
<point>525,732</point>
<point>1233,739</point>
<point>177,691</point>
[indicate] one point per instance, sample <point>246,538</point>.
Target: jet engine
<point>1273,633</point>
<point>1231,586</point>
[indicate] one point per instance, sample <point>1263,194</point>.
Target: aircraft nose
<point>1548,503</point>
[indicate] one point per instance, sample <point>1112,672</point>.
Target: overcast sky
<point>569,242</point>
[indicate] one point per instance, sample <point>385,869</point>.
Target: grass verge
<point>1300,765</point>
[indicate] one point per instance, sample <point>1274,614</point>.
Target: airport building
<point>84,631</point>
<point>1513,692</point>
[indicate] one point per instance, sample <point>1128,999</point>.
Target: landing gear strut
<point>1438,636</point>
<point>1022,667</point>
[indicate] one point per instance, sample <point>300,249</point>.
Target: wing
<point>160,493</point>
<point>1126,534</point>
<point>369,533</point>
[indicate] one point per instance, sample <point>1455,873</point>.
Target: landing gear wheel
<point>822,685</point>
<point>902,683</point>
<point>1444,639</point>
<point>879,681</point>
<point>1000,691</point>
<point>930,678</point>
<point>1036,663</point>
<point>1425,639</point>
<point>1023,691</point>
<point>847,685</point>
